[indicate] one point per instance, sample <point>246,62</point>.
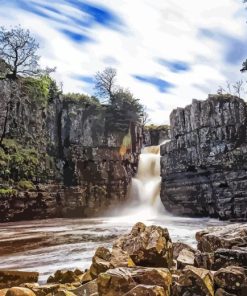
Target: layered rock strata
<point>84,162</point>
<point>204,166</point>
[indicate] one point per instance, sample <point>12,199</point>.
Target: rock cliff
<point>204,166</point>
<point>154,135</point>
<point>74,150</point>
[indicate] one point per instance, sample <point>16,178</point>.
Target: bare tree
<point>238,88</point>
<point>18,48</point>
<point>105,83</point>
<point>145,117</point>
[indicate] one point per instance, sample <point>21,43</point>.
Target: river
<point>48,245</point>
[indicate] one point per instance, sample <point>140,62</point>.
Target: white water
<point>145,187</point>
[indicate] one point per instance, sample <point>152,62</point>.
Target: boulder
<point>119,281</point>
<point>231,278</point>
<point>89,288</point>
<point>223,237</point>
<point>120,258</point>
<point>100,262</point>
<point>64,277</point>
<point>10,278</point>
<point>204,260</point>
<point>222,292</point>
<point>3,292</point>
<point>226,257</point>
<point>64,292</point>
<point>19,291</point>
<point>50,289</point>
<point>196,281</point>
<point>144,290</point>
<point>185,258</point>
<point>179,246</point>
<point>147,246</point>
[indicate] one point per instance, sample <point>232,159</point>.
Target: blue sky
<point>166,52</point>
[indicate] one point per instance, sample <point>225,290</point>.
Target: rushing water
<point>48,245</point>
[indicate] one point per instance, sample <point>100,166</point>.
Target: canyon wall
<point>204,166</point>
<point>81,163</point>
<point>154,135</point>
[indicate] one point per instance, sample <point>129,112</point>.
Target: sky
<point>167,52</point>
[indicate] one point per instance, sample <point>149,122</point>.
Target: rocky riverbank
<point>203,167</point>
<point>146,262</point>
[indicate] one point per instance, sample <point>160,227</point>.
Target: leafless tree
<point>105,83</point>
<point>238,88</point>
<point>18,49</point>
<point>145,117</point>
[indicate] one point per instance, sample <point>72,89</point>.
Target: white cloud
<point>154,29</point>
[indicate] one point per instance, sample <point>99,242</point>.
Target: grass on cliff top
<point>81,99</point>
<point>153,127</point>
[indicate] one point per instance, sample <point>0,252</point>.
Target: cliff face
<point>204,166</point>
<point>79,169</point>
<point>155,135</point>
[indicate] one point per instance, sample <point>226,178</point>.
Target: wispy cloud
<point>163,86</point>
<point>177,52</point>
<point>233,48</point>
<point>175,66</point>
<point>87,79</point>
<point>77,37</point>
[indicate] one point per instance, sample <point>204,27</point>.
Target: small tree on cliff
<point>18,49</point>
<point>105,83</point>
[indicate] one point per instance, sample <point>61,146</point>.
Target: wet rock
<point>231,278</point>
<point>78,272</point>
<point>226,257</point>
<point>119,281</point>
<point>179,246</point>
<point>10,278</point>
<point>100,261</point>
<point>185,258</point>
<point>204,260</point>
<point>3,292</point>
<point>147,246</point>
<point>89,288</point>
<point>64,292</point>
<point>120,258</point>
<point>224,237</point>
<point>222,292</point>
<point>48,289</point>
<point>64,277</point>
<point>196,281</point>
<point>86,277</point>
<point>18,291</point>
<point>144,290</point>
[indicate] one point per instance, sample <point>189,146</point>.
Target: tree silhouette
<point>18,49</point>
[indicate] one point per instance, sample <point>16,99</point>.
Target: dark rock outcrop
<point>154,135</point>
<point>204,166</point>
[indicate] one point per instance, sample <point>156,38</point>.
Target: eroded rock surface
<point>147,246</point>
<point>203,167</point>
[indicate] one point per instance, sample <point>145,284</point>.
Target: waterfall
<point>145,187</point>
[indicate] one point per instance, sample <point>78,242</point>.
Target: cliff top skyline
<point>165,52</point>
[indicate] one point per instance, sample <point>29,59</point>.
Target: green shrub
<point>81,98</point>
<point>7,192</point>
<point>26,185</point>
<point>19,163</point>
<point>40,89</point>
